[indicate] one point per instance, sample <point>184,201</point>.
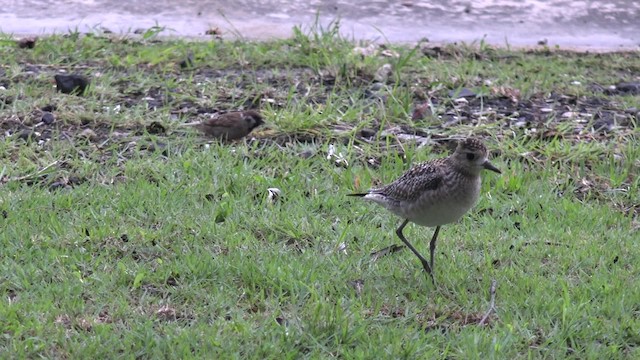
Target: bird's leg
<point>424,262</point>
<point>432,245</point>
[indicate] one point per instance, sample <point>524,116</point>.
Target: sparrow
<point>230,126</point>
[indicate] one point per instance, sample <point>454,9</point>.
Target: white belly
<point>437,214</point>
<point>435,207</point>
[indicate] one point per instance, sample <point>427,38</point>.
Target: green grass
<point>180,252</point>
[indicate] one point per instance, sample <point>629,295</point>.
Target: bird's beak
<point>489,166</point>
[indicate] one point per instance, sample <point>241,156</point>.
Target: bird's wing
<point>426,177</point>
<point>224,121</point>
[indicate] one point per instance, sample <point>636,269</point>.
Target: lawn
<point>124,235</point>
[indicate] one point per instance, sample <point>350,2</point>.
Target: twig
<point>386,251</point>
<point>550,243</point>
<point>36,174</point>
<point>492,305</point>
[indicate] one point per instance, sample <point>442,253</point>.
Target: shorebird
<point>436,192</point>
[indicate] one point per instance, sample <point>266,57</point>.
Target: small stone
<point>214,31</point>
<point>4,99</point>
<point>462,93</point>
<point>71,84</point>
<point>421,111</point>
<point>370,50</point>
<point>631,88</point>
<point>187,63</point>
<point>153,147</point>
<point>603,125</point>
<point>27,135</point>
<point>520,123</point>
<point>75,180</point>
<point>383,73</point>
<point>430,51</point>
<point>307,154</point>
<point>367,133</point>
<point>156,128</point>
<point>375,87</point>
<point>48,118</point>
<point>88,134</point>
<point>57,186</point>
<point>27,43</point>
<point>49,108</point>
<point>390,53</point>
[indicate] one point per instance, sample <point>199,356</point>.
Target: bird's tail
<point>358,195</point>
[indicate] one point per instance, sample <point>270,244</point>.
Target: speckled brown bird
<point>435,192</point>
<point>230,126</point>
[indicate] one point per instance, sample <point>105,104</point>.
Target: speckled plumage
<point>436,192</point>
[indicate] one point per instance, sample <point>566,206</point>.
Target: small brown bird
<point>230,126</point>
<point>436,192</point>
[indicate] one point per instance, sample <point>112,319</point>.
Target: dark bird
<point>436,192</point>
<point>230,126</point>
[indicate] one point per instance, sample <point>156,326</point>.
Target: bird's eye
<point>471,156</point>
